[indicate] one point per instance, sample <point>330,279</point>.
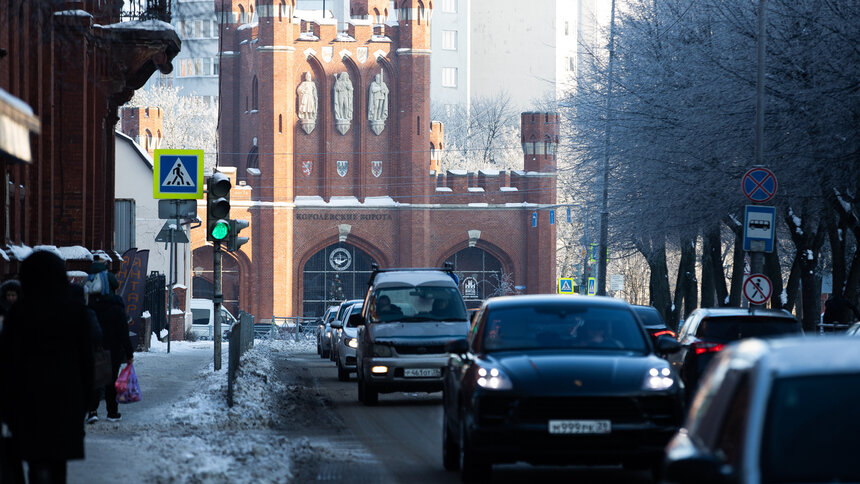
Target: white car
<point>347,342</point>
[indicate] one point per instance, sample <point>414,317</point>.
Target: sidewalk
<point>124,451</point>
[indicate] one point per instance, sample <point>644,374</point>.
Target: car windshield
<point>562,326</point>
<point>811,430</point>
<point>731,329</point>
<point>415,304</point>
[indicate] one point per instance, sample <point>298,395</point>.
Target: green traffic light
<point>220,230</point>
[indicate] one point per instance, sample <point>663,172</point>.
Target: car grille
<point>660,410</point>
<point>431,349</point>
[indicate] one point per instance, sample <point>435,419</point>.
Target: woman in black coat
<point>46,370</point>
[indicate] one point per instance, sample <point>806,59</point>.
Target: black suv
<point>708,330</point>
<point>409,316</point>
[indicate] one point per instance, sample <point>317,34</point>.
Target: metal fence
<point>146,10</point>
<point>155,300</point>
<point>241,339</point>
<point>287,327</point>
<point>833,327</point>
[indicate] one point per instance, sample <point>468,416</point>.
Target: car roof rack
<point>447,268</point>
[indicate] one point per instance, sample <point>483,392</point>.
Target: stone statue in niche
<point>342,102</point>
<point>377,106</point>
<point>308,103</point>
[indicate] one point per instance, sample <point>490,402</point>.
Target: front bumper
<point>510,429</point>
<point>394,380</point>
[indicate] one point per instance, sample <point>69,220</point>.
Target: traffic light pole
<point>218,297</point>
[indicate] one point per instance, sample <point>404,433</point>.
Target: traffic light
<point>233,239</point>
<point>217,207</point>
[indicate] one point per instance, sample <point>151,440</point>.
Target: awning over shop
<point>16,123</point>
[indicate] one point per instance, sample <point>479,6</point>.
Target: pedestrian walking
<point>110,311</point>
<point>46,370</point>
<point>9,293</point>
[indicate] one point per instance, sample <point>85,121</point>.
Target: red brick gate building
<point>331,140</point>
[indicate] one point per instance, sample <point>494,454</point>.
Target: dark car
<point>708,330</point>
<point>653,322</point>
<point>323,341</point>
<point>557,380</point>
<point>773,411</point>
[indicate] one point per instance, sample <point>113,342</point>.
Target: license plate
<point>580,426</point>
<point>422,372</point>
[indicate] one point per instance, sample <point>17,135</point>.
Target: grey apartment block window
<point>124,217</point>
<point>449,6</point>
<point>449,77</point>
<point>449,39</point>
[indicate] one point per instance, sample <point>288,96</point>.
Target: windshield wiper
<point>413,318</point>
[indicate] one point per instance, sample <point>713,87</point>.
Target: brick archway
<point>337,272</point>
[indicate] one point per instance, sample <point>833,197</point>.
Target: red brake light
<point>703,347</point>
<point>665,331</point>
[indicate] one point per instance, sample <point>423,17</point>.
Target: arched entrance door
<point>480,275</point>
<point>330,276</point>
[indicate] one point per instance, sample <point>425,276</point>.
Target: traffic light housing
<point>218,207</point>
<point>233,239</point>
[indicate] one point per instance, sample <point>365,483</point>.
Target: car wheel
<point>367,394</point>
<point>325,353</point>
<point>473,468</point>
<point>342,373</point>
<point>450,446</point>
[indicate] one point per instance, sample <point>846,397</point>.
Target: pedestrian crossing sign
<point>566,285</point>
<point>592,286</point>
<point>178,174</point>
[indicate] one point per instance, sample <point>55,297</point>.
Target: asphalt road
<point>401,437</point>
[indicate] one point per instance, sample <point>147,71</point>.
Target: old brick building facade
<point>335,171</point>
<point>73,63</point>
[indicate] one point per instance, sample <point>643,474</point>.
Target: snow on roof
<point>344,37</point>
<point>360,21</point>
<point>490,172</point>
<point>308,36</point>
<point>508,189</point>
<point>479,204</point>
<point>146,314</point>
<point>385,201</point>
<point>136,147</point>
<point>522,204</point>
<point>443,189</point>
<point>255,23</point>
<point>49,248</point>
<point>20,252</point>
<point>75,252</point>
<point>317,201</point>
<point>15,102</point>
<point>458,172</point>
<point>475,189</point>
<point>180,286</point>
<point>77,275</point>
<point>74,13</point>
<point>150,25</point>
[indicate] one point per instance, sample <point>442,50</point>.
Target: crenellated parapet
<point>492,187</point>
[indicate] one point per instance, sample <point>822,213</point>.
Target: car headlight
<point>658,379</point>
<point>352,342</point>
<point>328,334</point>
<point>493,379</point>
<point>382,350</point>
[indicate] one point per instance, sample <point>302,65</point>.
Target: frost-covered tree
<point>189,123</point>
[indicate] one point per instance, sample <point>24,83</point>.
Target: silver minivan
<point>409,315</point>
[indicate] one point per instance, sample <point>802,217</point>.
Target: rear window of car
<point>562,327</point>
<point>650,317</point>
<point>199,316</point>
<point>811,428</point>
<point>731,329</point>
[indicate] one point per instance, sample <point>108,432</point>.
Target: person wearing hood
<point>9,293</point>
<point>46,370</point>
<point>110,310</point>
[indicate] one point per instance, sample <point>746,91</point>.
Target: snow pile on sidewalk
<point>199,439</point>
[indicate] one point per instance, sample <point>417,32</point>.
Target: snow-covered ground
<point>195,437</point>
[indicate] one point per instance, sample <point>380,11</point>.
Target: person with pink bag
<point>113,319</point>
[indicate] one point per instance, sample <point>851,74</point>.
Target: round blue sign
<point>759,184</point>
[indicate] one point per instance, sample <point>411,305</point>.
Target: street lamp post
<point>604,206</point>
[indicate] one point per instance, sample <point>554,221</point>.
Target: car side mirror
<point>457,346</point>
<point>336,324</point>
<point>356,320</point>
<point>667,344</point>
<point>699,469</point>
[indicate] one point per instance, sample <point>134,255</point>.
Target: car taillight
<point>703,347</point>
<point>665,331</point>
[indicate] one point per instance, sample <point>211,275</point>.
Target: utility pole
<point>604,207</point>
<point>757,256</point>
